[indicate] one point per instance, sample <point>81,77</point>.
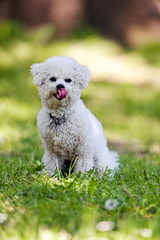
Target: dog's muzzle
<point>61,92</point>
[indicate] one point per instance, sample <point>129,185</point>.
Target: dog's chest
<point>62,139</point>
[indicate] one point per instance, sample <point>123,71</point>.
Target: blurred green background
<point>123,92</point>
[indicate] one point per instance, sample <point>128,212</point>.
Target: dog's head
<point>60,81</point>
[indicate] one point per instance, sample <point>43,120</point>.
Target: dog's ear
<point>84,76</point>
<point>35,70</point>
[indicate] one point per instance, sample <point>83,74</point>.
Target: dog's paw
<point>47,173</point>
<point>43,172</point>
<point>83,168</point>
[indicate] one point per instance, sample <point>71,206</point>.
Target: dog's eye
<point>52,79</point>
<point>67,80</point>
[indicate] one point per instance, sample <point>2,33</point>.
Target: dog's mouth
<point>61,93</point>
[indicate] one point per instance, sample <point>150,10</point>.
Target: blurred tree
<point>118,19</point>
<point>115,19</point>
<point>65,15</point>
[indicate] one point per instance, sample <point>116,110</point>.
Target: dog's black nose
<point>60,86</point>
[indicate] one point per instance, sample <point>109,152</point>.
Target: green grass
<point>70,207</point>
<point>75,204</point>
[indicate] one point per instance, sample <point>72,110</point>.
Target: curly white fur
<point>81,135</point>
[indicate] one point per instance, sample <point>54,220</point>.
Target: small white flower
<point>146,232</point>
<point>105,226</point>
<point>3,217</point>
<point>111,204</point>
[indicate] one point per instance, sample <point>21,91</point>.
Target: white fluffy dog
<point>67,128</point>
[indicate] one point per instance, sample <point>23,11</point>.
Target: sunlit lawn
<point>39,207</point>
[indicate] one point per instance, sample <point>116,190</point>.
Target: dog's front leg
<point>84,163</point>
<point>51,162</point>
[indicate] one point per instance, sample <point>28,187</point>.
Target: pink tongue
<point>62,93</point>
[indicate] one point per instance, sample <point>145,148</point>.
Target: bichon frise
<point>67,128</point>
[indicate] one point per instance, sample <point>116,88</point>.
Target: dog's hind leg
<point>106,159</point>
